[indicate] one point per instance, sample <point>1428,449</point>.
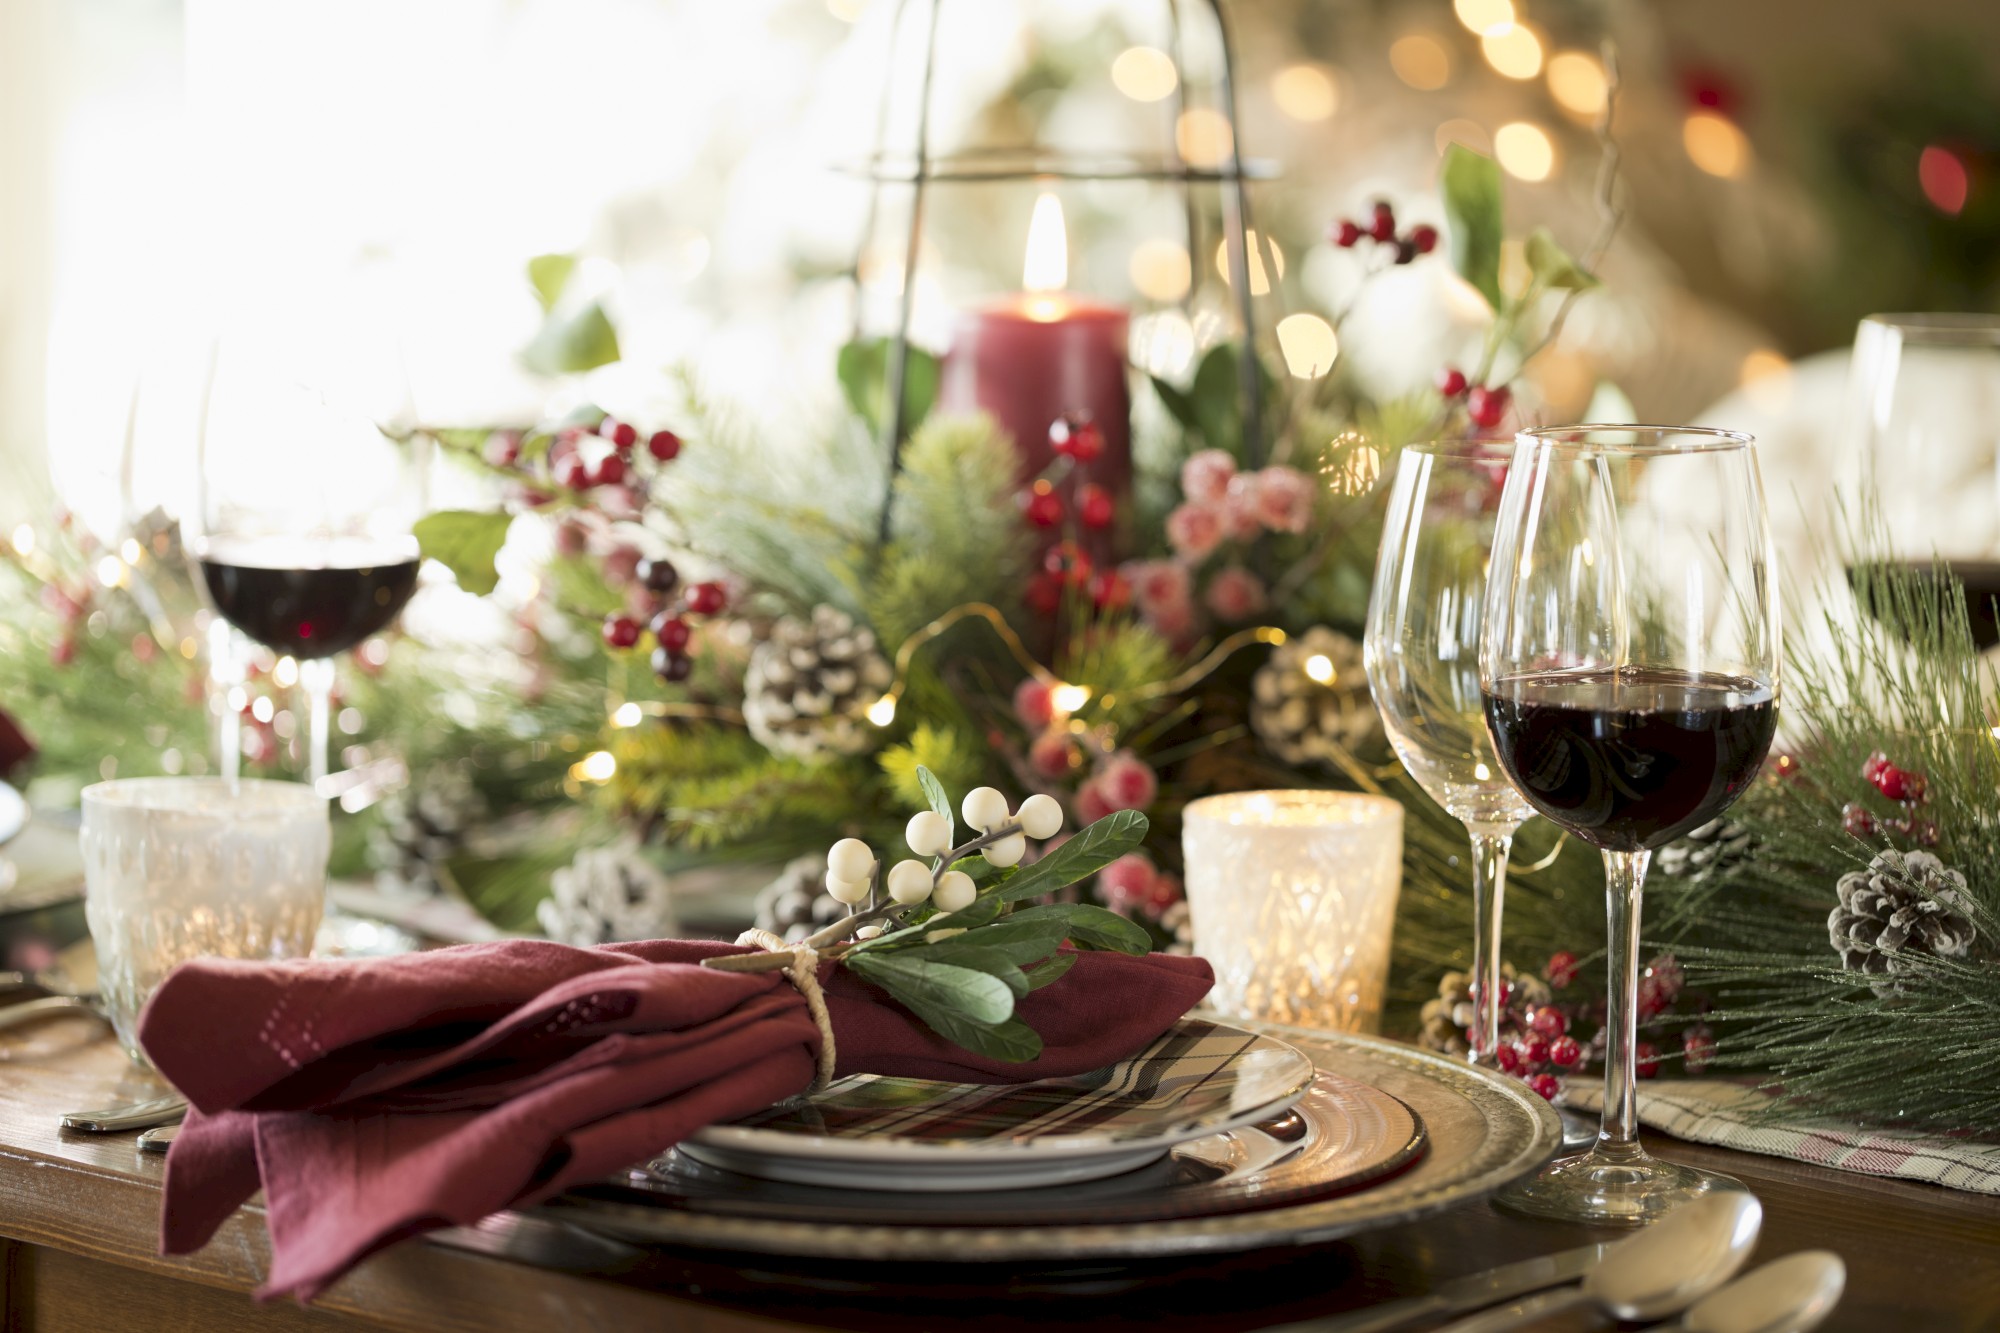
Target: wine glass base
<point>1601,1190</point>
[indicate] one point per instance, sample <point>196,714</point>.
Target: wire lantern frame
<point>921,170</point>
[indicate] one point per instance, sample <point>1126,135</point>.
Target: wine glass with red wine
<point>1628,666</point>
<point>303,528</point>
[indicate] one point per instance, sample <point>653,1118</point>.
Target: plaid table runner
<point>1730,1115</point>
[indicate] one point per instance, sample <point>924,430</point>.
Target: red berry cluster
<point>1908,789</point>
<point>1485,404</point>
<point>1062,500</point>
<point>1535,1045</point>
<point>1381,229</point>
<point>669,625</point>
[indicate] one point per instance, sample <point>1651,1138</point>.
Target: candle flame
<point>1046,266</point>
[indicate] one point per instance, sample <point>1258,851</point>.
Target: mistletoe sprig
<point>956,942</point>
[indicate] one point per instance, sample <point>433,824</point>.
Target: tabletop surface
<point>1918,1256</point>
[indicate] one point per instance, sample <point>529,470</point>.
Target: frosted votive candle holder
<point>1292,896</point>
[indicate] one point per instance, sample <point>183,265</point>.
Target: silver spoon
<point>1788,1295</point>
<point>1661,1271</point>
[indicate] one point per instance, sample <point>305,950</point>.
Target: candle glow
<point>1045,266</point>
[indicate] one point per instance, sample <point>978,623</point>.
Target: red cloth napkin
<point>377,1099</point>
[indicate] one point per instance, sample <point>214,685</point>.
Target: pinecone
<point>796,904</point>
<point>1904,903</point>
<point>1708,851</point>
<point>1446,1018</point>
<point>810,683</point>
<point>1312,695</point>
<point>423,826</point>
<point>607,895</point>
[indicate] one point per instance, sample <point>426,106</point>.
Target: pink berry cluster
<point>1079,512</point>
<point>1381,229</point>
<point>1220,505</point>
<point>1907,788</point>
<point>1485,404</point>
<point>1137,887</point>
<point>1059,750</point>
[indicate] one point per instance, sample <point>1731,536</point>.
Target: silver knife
<point>1461,1294</point>
<point>139,1115</point>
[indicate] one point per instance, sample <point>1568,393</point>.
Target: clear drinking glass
<point>1924,412</point>
<point>1629,670</point>
<point>181,868</point>
<point>1422,653</point>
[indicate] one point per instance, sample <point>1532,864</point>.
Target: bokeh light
<point>1420,61</point>
<point>1766,377</point>
<point>1260,278</point>
<point>1309,345</point>
<point>1524,150</point>
<point>1715,145</point>
<point>1203,137</point>
<point>1514,51</point>
<point>1160,269</point>
<point>1469,133</point>
<point>1144,73</point>
<point>1485,17</point>
<point>1577,82</point>
<point>1941,174</point>
<point>1305,92</point>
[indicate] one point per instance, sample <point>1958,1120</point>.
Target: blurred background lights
<point>1524,150</point>
<point>1160,269</point>
<point>1144,73</point>
<point>1308,344</point>
<point>1941,174</point>
<point>1470,133</point>
<point>1203,137</point>
<point>1485,17</point>
<point>1577,82</point>
<point>847,11</point>
<point>1260,278</point>
<point>1420,61</point>
<point>1305,92</point>
<point>1514,51</point>
<point>1715,145</point>
<point>1766,378</point>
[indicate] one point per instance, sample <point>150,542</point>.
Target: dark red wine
<point>1633,758</point>
<point>308,599</point>
<point>1977,583</point>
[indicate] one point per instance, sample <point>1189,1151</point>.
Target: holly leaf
<point>1552,266</point>
<point>1050,969</point>
<point>548,275</point>
<point>1472,217</point>
<point>1085,854</point>
<point>574,343</point>
<point>939,799</point>
<point>917,981</point>
<point>863,370</point>
<point>1091,927</point>
<point>465,541</point>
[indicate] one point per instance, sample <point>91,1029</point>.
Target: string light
<point>1577,82</point>
<point>1144,74</point>
<point>1320,667</point>
<point>597,766</point>
<point>111,571</point>
<point>883,711</point>
<point>1420,61</point>
<point>1715,145</point>
<point>130,551</point>
<point>1160,269</point>
<point>24,540</point>
<point>286,673</point>
<point>1067,698</point>
<point>1514,52</point>
<point>1305,92</point>
<point>1260,280</point>
<point>1524,150</point>
<point>1309,345</point>
<point>1203,136</point>
<point>629,714</point>
<point>1483,18</point>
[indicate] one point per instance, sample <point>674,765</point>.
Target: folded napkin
<point>377,1099</point>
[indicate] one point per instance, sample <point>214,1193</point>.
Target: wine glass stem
<point>1624,879</point>
<point>1490,846</point>
<point>316,675</point>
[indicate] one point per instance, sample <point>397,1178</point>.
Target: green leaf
<point>1179,406</point>
<point>1051,969</point>
<point>1091,927</point>
<point>1552,266</point>
<point>1020,941</point>
<point>1085,854</point>
<point>549,274</point>
<point>465,541</point>
<point>917,981</point>
<point>939,799</point>
<point>863,368</point>
<point>984,911</point>
<point>574,343</point>
<point>993,962</point>
<point>1216,399</point>
<point>1013,1041</point>
<point>1473,225</point>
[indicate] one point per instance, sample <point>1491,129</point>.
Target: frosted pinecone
<point>1705,852</point>
<point>809,685</point>
<point>1446,1018</point>
<point>1903,904</point>
<point>1312,695</point>
<point>796,903</point>
<point>608,895</point>
<point>424,824</point>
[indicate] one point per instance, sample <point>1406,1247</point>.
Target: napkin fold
<point>376,1099</point>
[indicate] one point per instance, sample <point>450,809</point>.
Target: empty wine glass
<point>1629,668</point>
<point>1422,653</point>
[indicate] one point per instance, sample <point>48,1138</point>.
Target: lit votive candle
<point>1292,896</point>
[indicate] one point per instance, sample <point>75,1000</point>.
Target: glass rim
<point>1960,328</point>
<point>281,798</point>
<point>1664,439</point>
<point>1230,807</point>
<point>1463,447</point>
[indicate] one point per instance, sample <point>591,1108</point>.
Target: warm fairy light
<point>238,698</point>
<point>111,571</point>
<point>1260,280</point>
<point>1577,82</point>
<point>1766,379</point>
<point>189,647</point>
<point>1484,17</point>
<point>1942,176</point>
<point>1470,133</point>
<point>1067,698</point>
<point>1513,51</point>
<point>1203,137</point>
<point>1481,773</point>
<point>1320,667</point>
<point>1308,344</point>
<point>1357,472</point>
<point>1045,268</point>
<point>1160,269</point>
<point>1524,150</point>
<point>1144,73</point>
<point>24,540</point>
<point>597,766</point>
<point>1305,92</point>
<point>1420,61</point>
<point>286,672</point>
<point>262,708</point>
<point>1714,144</point>
<point>130,551</point>
<point>628,715</point>
<point>883,711</point>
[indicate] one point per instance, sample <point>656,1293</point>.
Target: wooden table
<point>78,1215</point>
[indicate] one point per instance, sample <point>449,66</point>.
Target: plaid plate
<point>1198,1077</point>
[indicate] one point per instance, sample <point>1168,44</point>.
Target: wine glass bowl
<point>1628,668</point>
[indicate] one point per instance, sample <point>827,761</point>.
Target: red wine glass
<point>1628,666</point>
